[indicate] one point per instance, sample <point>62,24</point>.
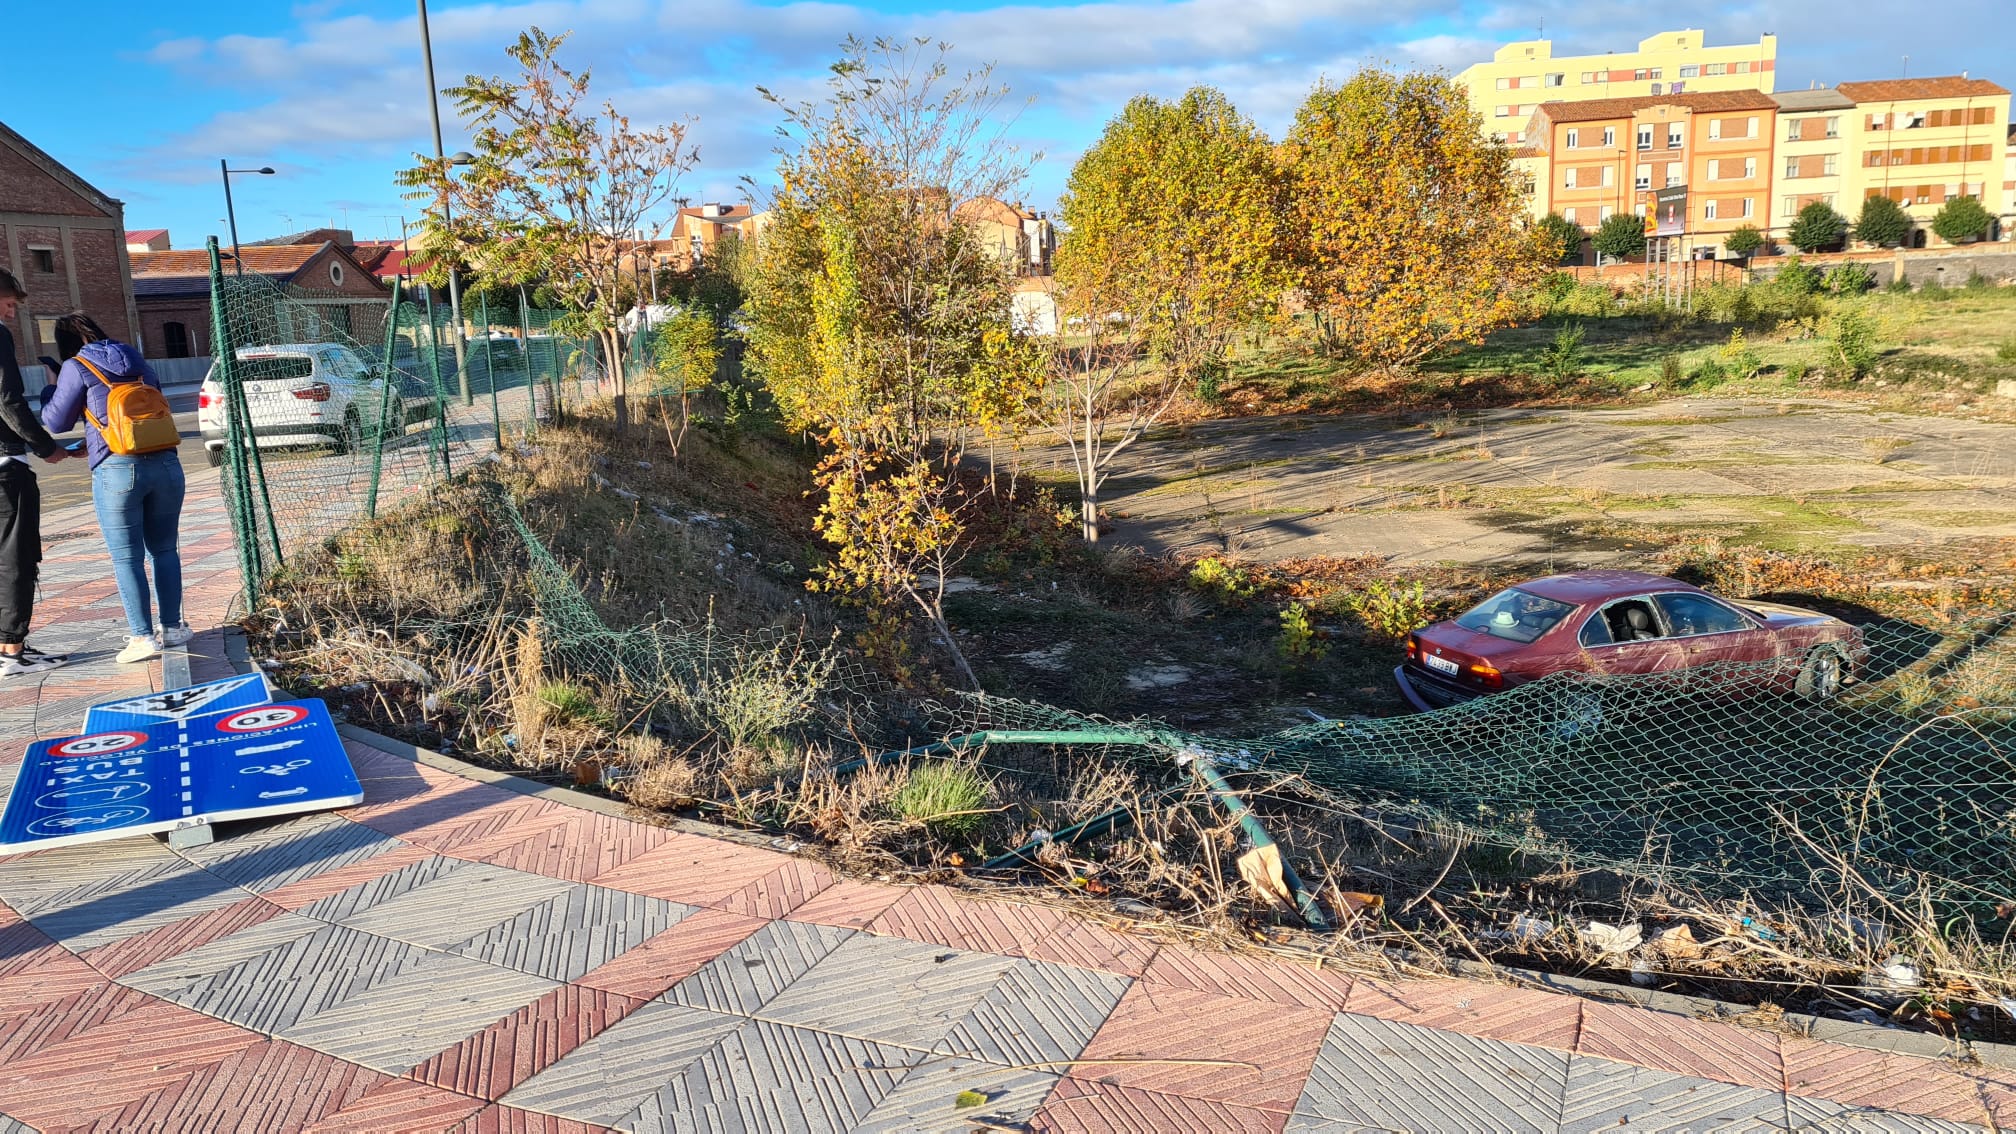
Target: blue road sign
<point>241,763</point>
<point>240,692</point>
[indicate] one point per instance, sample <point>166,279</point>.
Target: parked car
<point>1622,622</point>
<point>300,394</point>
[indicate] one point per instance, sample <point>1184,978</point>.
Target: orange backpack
<point>137,417</point>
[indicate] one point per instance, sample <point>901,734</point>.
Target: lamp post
<point>454,284</point>
<point>231,214</point>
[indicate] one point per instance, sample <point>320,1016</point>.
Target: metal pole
<point>231,216</point>
<point>1305,900</point>
<point>447,217</point>
<point>386,395</point>
<point>490,372</point>
<point>238,486</point>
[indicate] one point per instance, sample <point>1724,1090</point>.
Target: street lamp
<point>231,214</point>
<point>454,285</point>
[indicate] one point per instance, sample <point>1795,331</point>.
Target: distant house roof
<point>1820,98</point>
<point>993,209</point>
<point>144,235</point>
<point>188,272</point>
<point>1942,86</point>
<point>340,237</point>
<point>1598,109</point>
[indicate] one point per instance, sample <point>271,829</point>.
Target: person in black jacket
<point>21,433</point>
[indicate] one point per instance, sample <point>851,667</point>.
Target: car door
<point>1603,641</point>
<point>1710,630</point>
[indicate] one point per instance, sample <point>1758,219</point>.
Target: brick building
<point>172,290</point>
<point>66,242</point>
<point>1924,142</point>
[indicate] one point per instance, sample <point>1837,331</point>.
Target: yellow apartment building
<point>1923,142</point>
<point>1812,163</point>
<point>1520,76</point>
<point>1594,159</point>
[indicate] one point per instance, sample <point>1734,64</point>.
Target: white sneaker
<point>177,635</point>
<point>139,649</point>
<point>14,665</point>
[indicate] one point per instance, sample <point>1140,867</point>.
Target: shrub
<point>945,797</point>
<point>1744,240</point>
<point>1671,374</point>
<point>1978,282</point>
<point>1391,610</point>
<point>1298,635</point>
<point>1851,279</point>
<point>1742,362</point>
<point>2007,351</point>
<point>746,695</point>
<point>1708,374</point>
<point>1883,222</point>
<point>1620,237</point>
<point>1564,234</point>
<point>1817,226</point>
<point>1960,220</point>
<point>1227,582</point>
<point>1855,342</point>
<point>1211,381</point>
<point>1933,289</point>
<point>1899,284</point>
<point>1795,373</point>
<point>1566,357</point>
<point>1797,278</point>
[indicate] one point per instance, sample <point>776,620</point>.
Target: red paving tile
<point>500,1119</point>
<point>1089,945</point>
<point>135,953</point>
<point>585,845</point>
<point>1667,1042</point>
<point>152,1049</point>
<point>645,972</point>
<point>1860,1077</point>
<point>268,1086</point>
<point>693,869</point>
<point>316,887</point>
<point>1081,1106</point>
<point>400,1106</point>
<point>1158,1022</point>
<point>1517,1015</point>
<point>46,1023</point>
<point>512,1050</point>
<point>942,917</point>
<point>782,890</point>
<point>1252,978</point>
<point>848,904</point>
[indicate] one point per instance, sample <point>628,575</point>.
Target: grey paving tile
<point>889,990</point>
<point>765,1077</point>
<point>1036,1013</point>
<point>1378,1073</point>
<point>363,896</point>
<point>746,977</point>
<point>924,1098</point>
<point>1825,1116</point>
<point>272,990</point>
<point>262,857</point>
<point>92,895</point>
<point>13,1125</point>
<point>563,938</point>
<point>1604,1095</point>
<point>171,975</point>
<point>400,1021</point>
<point>611,1074</point>
<point>458,907</point>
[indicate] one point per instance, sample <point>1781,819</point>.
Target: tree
<point>1173,224</point>
<point>879,322</point>
<point>1816,227</point>
<point>1565,235</point>
<point>1883,222</point>
<point>1408,218</point>
<point>559,192</point>
<point>1744,240</point>
<point>1960,220</point>
<point>689,344</point>
<point>1620,236</point>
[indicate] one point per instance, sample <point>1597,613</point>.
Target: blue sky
<point>331,92</point>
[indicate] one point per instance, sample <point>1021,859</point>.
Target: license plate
<point>1443,664</point>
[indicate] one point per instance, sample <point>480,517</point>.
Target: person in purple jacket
<point>138,498</point>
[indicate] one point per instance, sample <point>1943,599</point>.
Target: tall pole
<point>454,284</point>
<point>231,214</point>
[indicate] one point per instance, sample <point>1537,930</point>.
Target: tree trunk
<point>936,614</point>
<point>1088,511</point>
<point>619,381</point>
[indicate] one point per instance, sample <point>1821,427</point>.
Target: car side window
<point>1699,614</point>
<point>1596,632</point>
<point>1631,620</point>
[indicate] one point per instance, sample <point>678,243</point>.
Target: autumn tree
<point>880,322</point>
<point>1563,234</point>
<point>1407,217</point>
<point>1173,227</point>
<point>559,192</point>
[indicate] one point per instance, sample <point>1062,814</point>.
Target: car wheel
<point>214,457</point>
<point>353,433</point>
<point>1821,677</point>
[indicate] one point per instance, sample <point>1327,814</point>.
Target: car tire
<point>213,457</point>
<point>1821,678</point>
<point>352,437</point>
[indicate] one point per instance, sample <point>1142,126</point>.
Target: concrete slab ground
<point>454,954</point>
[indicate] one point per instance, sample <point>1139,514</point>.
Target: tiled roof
<point>1942,86</point>
<point>1822,98</point>
<point>143,235</point>
<point>1598,109</point>
<point>281,261</point>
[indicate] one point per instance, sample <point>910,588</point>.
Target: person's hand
<point>59,454</point>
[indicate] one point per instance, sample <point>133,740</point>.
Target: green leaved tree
<point>1883,222</point>
<point>1565,234</point>
<point>1816,227</point>
<point>1960,220</point>
<point>1620,236</point>
<point>1744,240</point>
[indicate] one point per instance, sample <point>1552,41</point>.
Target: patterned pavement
<point>463,954</point>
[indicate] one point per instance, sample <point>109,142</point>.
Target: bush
<point>747,695</point>
<point>1851,279</point>
<point>1227,582</point>
<point>1620,237</point>
<point>1742,362</point>
<point>2007,351</point>
<point>1709,374</point>
<point>1978,282</point>
<point>1298,635</point>
<point>1899,285</point>
<point>1797,278</point>
<point>1391,610</point>
<point>1671,374</point>
<point>1565,359</point>
<point>1960,220</point>
<point>1564,234</point>
<point>1744,240</point>
<point>1817,226</point>
<point>945,797</point>
<point>1883,222</point>
<point>1855,342</point>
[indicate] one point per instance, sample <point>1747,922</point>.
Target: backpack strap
<point>88,415</point>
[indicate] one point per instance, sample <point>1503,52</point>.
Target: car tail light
<point>319,392</point>
<point>1413,648</point>
<point>203,399</point>
<point>1487,675</point>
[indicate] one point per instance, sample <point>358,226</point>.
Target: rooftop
<point>187,271</point>
<point>1940,86</point>
<point>1819,98</point>
<point>1597,109</point>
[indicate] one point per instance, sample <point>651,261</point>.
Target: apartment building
<point>1814,130</point>
<point>1923,142</point>
<point>1521,76</point>
<point>1591,160</point>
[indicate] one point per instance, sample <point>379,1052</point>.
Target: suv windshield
<point>1515,615</point>
<point>274,367</point>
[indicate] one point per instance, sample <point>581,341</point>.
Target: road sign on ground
<point>242,763</point>
<point>239,692</point>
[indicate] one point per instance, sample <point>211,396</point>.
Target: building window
<point>1574,139</point>
<point>1657,87</point>
<point>1749,207</point>
<point>43,258</point>
<point>336,274</point>
<point>1791,167</point>
<point>1827,165</point>
<point>1673,174</point>
<point>1607,212</point>
<point>1834,127</point>
<point>1638,210</point>
<point>1568,179</point>
<point>1739,68</point>
<point>1749,168</point>
<point>1553,80</point>
<point>1504,84</point>
<point>1714,129</point>
<point>1914,119</point>
<point>1675,136</point>
<point>1503,112</point>
<point>1609,136</point>
<point>1717,69</point>
<point>1644,137</point>
<point>1691,71</point>
<point>45,330</point>
<point>1642,178</point>
<point>175,338</point>
<point>1792,126</point>
<point>1588,76</point>
<point>1708,211</point>
<point>1608,180</point>
<point>1789,206</point>
<point>1750,128</point>
<point>1714,169</point>
<point>1568,215</point>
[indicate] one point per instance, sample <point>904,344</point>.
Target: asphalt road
<point>69,482</point>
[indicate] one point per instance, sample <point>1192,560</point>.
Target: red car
<point>1620,622</point>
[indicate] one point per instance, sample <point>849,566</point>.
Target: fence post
<point>490,370</point>
<point>386,395</point>
<point>531,375</point>
<point>238,484</point>
<point>438,447</point>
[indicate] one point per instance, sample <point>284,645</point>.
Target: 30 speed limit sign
<point>263,718</point>
<point>101,744</point>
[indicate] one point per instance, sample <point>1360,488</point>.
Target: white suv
<point>298,394</point>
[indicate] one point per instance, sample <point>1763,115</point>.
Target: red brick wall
<point>192,313</point>
<point>87,248</point>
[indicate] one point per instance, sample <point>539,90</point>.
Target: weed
<point>1855,342</point>
<point>1742,362</point>
<point>1222,580</point>
<point>1978,282</point>
<point>1566,358</point>
<point>947,798</point>
<point>1881,449</point>
<point>1671,374</point>
<point>1898,285</point>
<point>1391,610</point>
<point>564,703</point>
<point>1298,635</point>
<point>1708,374</point>
<point>1448,425</point>
<point>748,695</point>
<point>2006,352</point>
<point>1851,279</point>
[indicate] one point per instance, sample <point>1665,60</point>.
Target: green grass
<point>946,798</point>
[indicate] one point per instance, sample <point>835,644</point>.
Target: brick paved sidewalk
<point>455,954</point>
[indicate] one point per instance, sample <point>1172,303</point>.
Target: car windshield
<point>273,367</point>
<point>1515,615</point>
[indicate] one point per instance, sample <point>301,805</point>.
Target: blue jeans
<point>139,502</point>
